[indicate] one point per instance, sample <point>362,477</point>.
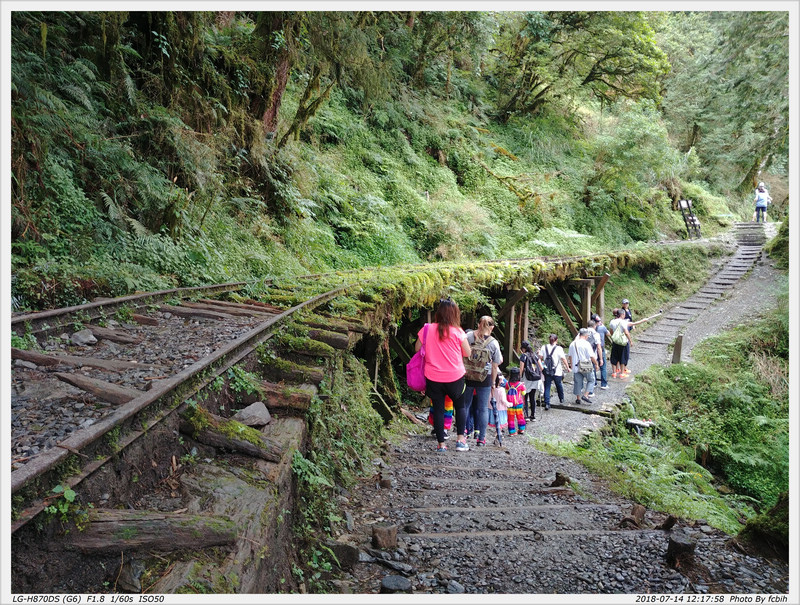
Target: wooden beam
<point>598,289</point>
<point>568,299</point>
<point>514,296</point>
<point>396,346</point>
<point>560,308</point>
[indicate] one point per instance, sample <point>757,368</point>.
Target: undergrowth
<point>345,433</point>
<point>720,450</point>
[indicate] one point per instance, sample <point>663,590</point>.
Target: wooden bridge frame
<point>512,323</point>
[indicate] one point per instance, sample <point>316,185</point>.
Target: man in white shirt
<point>584,364</point>
<point>554,363</point>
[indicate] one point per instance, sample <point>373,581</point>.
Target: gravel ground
<point>491,520</point>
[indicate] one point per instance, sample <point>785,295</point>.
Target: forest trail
<point>491,521</point>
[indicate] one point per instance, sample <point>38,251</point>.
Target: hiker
<point>481,371</point>
<point>584,363</point>
<point>626,308</point>
<point>620,344</point>
<point>515,393</point>
<point>530,368</point>
<point>593,339</point>
<point>499,419</point>
<point>601,330</point>
<point>554,364</point>
<point>445,350</point>
<point>762,200</point>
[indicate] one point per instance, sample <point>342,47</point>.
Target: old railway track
<point>90,384</point>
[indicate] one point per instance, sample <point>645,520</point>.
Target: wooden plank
<point>113,365</point>
<point>229,310</point>
<point>107,391</point>
<point>113,531</point>
<point>396,346</point>
<point>113,335</point>
<point>144,320</point>
<point>188,312</point>
<point>560,308</point>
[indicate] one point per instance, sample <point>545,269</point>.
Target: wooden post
<point>509,340</point>
<point>599,295</point>
<point>676,351</point>
<point>526,319</point>
<point>586,303</point>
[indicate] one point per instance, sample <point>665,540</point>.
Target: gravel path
<point>493,520</point>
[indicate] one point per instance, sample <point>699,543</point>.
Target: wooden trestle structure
<point>513,320</point>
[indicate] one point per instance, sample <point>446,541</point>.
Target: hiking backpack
<point>549,362</point>
<point>532,372</point>
<point>476,363</point>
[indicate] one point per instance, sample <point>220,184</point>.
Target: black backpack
<point>549,362</point>
<point>532,372</point>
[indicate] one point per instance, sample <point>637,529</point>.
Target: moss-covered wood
<point>110,530</point>
<point>213,430</point>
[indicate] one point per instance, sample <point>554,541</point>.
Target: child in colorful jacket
<point>515,393</point>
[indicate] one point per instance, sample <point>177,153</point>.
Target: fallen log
<point>112,365</point>
<point>100,333</point>
<point>106,391</point>
<point>112,530</point>
<point>280,370</point>
<point>230,435</point>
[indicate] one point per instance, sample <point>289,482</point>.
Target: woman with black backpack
<point>530,368</point>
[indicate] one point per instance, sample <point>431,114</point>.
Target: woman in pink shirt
<point>445,350</point>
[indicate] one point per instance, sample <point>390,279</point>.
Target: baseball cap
<point>625,301</point>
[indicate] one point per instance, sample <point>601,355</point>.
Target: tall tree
<point>609,55</point>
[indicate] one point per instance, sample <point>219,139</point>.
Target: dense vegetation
<point>154,149</point>
<point>721,447</point>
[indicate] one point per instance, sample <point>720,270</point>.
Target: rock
<point>82,338</point>
<point>255,414</point>
<point>413,528</point>
<point>384,535</point>
<point>130,575</point>
<point>454,587</point>
<point>393,584</point>
<point>346,555</point>
<point>21,363</point>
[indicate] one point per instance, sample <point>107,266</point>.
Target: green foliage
<point>148,153</point>
<point>344,433</point>
<point>778,247</point>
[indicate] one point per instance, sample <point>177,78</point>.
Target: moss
<point>770,530</point>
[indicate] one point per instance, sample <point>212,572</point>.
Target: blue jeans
<point>548,380</point>
<point>583,383</point>
<point>603,372</point>
<point>476,401</point>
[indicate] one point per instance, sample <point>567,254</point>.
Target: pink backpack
<point>415,368</point>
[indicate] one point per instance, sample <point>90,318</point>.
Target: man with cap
<point>584,364</point>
